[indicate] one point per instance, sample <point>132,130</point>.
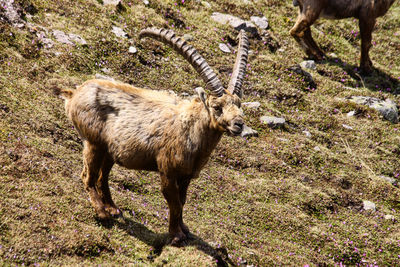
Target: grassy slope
<point>272,199</point>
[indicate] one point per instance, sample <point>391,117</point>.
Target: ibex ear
<point>202,95</point>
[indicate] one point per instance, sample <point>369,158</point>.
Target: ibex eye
<point>217,108</point>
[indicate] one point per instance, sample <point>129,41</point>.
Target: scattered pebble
<point>389,217</point>
<point>368,205</point>
<point>388,179</point>
<point>387,108</point>
<point>224,48</point>
<point>351,113</point>
<point>248,132</point>
<point>132,50</point>
<point>308,64</point>
<point>273,122</point>
<point>119,32</point>
<point>348,127</point>
<point>307,134</point>
<point>252,105</point>
<point>261,22</point>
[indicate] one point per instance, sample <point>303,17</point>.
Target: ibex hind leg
<point>92,160</point>
<point>104,189</point>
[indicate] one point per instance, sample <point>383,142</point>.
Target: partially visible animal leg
<point>301,31</point>
<point>104,189</point>
<point>319,54</point>
<point>170,190</point>
<point>366,27</point>
<point>92,159</point>
<point>183,186</point>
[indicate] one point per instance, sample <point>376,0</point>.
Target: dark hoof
<point>178,240</point>
<point>115,212</point>
<point>104,215</point>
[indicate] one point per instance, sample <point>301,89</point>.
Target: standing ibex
<point>365,10</point>
<point>153,130</point>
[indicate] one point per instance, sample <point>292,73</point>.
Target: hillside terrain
<point>321,189</point>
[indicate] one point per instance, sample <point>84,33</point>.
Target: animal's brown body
<point>153,130</point>
<point>365,10</point>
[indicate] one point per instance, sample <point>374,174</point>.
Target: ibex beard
<point>155,131</point>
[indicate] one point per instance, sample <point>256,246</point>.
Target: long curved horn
<point>239,69</point>
<point>190,54</point>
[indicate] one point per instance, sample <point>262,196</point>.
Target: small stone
<point>389,217</point>
<point>187,37</point>
<point>224,48</point>
<point>77,39</point>
<point>105,70</point>
<point>273,122</point>
<point>132,50</point>
<point>252,105</point>
<point>388,179</point>
<point>261,22</point>
<point>104,77</point>
<point>61,37</point>
<point>308,64</point>
<point>316,148</point>
<point>351,113</point>
<point>307,134</point>
<point>235,22</point>
<point>248,132</point>
<point>206,4</point>
<point>348,127</point>
<point>307,76</point>
<point>119,32</point>
<point>387,108</point>
<point>111,2</point>
<point>368,205</point>
<point>333,55</point>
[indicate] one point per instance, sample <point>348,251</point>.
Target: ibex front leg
<point>183,186</point>
<point>170,190</point>
<point>301,31</point>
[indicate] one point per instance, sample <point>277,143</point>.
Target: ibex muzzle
<point>154,130</point>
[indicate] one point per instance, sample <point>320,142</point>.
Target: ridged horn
<point>190,54</point>
<point>239,69</point>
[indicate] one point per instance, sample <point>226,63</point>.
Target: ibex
<point>155,131</point>
<point>365,10</point>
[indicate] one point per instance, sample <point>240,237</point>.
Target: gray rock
<point>351,113</point>
<point>388,179</point>
<point>42,37</point>
<point>261,22</point>
<point>348,127</point>
<point>105,70</point>
<point>235,22</point>
<point>224,48</point>
<point>187,37</point>
<point>77,39</point>
<point>146,2</point>
<point>205,4</point>
<point>111,2</point>
<point>132,50</point>
<point>308,64</point>
<point>273,122</point>
<point>389,217</point>
<point>62,37</point>
<point>253,105</point>
<point>387,107</point>
<point>307,76</point>
<point>368,205</point>
<point>307,134</point>
<point>248,132</point>
<point>317,148</point>
<point>11,12</point>
<point>119,32</point>
<point>69,39</point>
<point>104,77</point>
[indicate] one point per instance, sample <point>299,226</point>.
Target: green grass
<point>279,199</point>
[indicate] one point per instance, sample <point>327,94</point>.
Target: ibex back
<point>365,10</point>
<point>153,130</point>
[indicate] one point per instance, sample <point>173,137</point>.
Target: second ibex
<point>155,131</point>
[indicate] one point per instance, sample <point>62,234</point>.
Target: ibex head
<point>223,105</point>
